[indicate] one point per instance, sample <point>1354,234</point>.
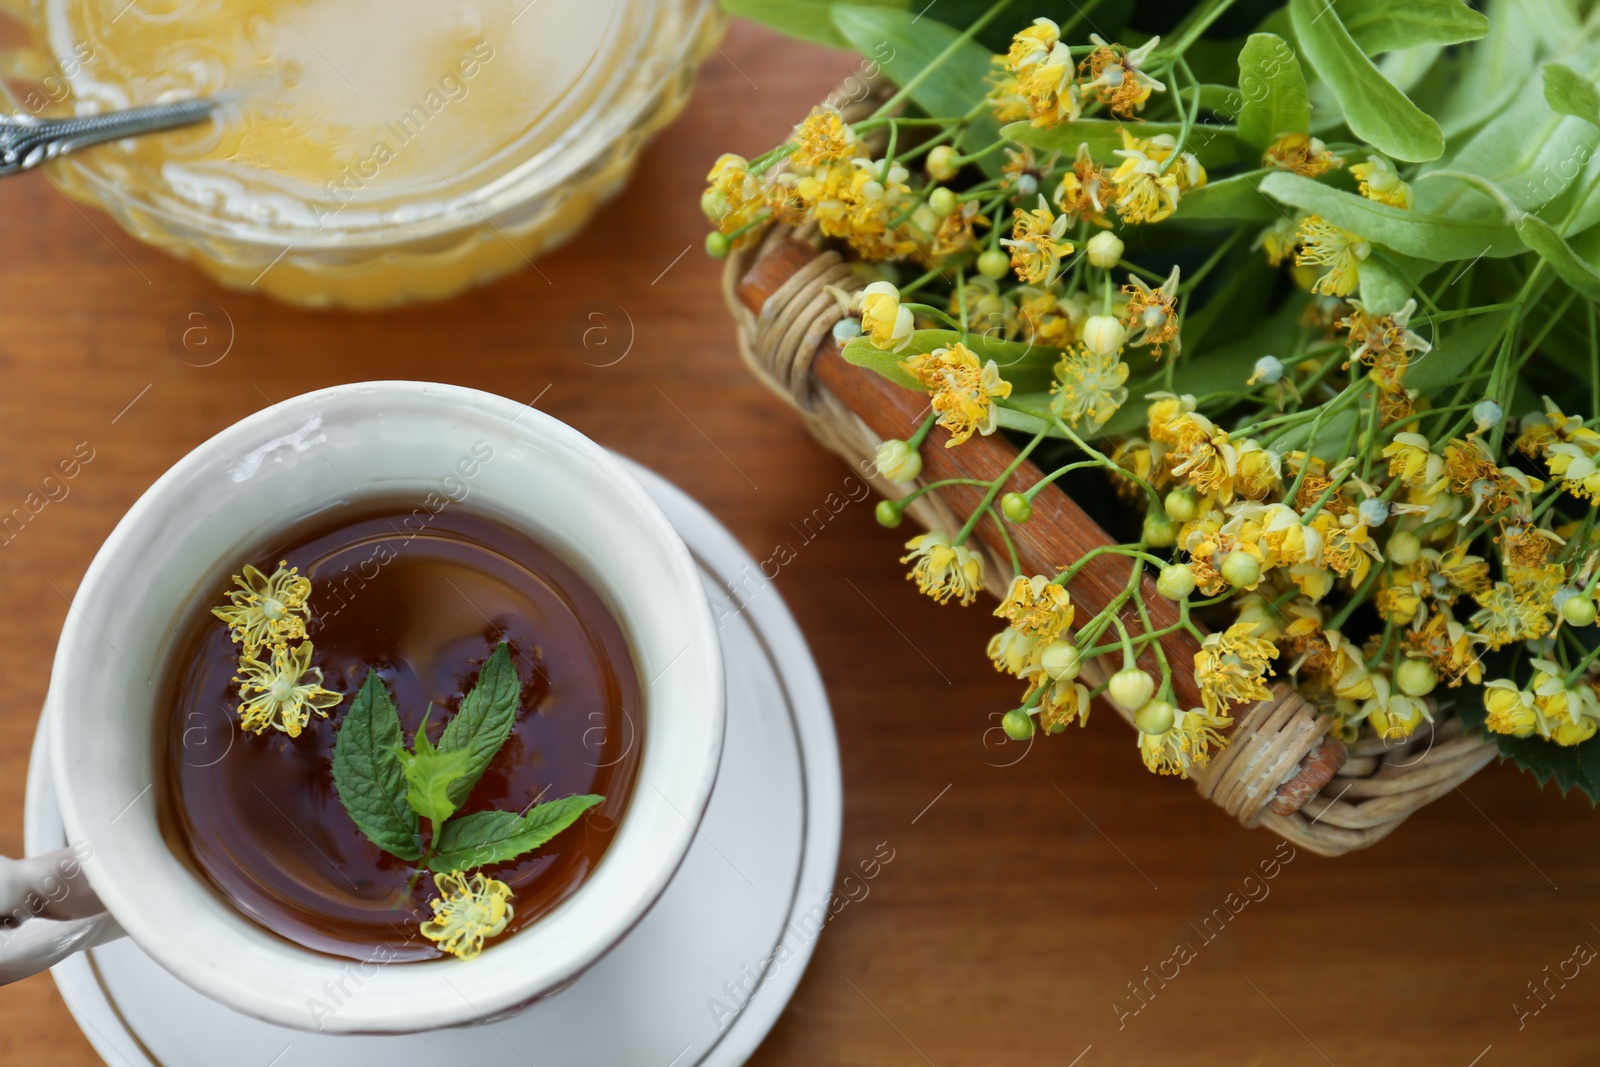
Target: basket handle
<point>1059,531</point>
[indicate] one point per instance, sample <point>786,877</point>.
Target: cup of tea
<point>439,527</point>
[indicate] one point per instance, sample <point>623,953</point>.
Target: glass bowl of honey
<point>364,153</point>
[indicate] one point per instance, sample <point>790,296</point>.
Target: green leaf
<point>1235,199</point>
<point>1027,367</point>
<point>1388,25</point>
<point>367,773</point>
<point>1554,250</point>
<point>1375,110</point>
<point>429,777</point>
<point>905,46</point>
<point>488,837</point>
<point>484,720</point>
<point>809,20</point>
<point>1214,146</point>
<point>1570,93</point>
<point>1384,290</point>
<point>1415,233</point>
<point>1273,90</point>
<point>1575,766</point>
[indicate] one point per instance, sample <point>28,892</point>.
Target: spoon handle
<point>26,141</point>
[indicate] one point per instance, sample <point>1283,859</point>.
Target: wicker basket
<point>1281,768</point>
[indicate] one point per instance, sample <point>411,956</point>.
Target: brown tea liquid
<point>258,816</point>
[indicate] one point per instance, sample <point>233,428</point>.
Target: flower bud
<point>1027,187</point>
<point>1159,531</point>
<point>1241,569</point>
<point>1016,507</point>
<point>994,264</point>
<point>1268,371</point>
<point>1176,581</point>
<point>888,513</point>
<point>1403,549</point>
<point>943,202</point>
<point>1416,677</point>
<point>1104,335</point>
<point>1060,659</point>
<point>1131,688</point>
<point>1487,413</point>
<point>717,245</point>
<point>1182,504</point>
<point>1374,511</point>
<point>1155,717</point>
<point>1105,250</point>
<point>1017,724</point>
<point>898,461</point>
<point>1578,610</point>
<point>942,163</point>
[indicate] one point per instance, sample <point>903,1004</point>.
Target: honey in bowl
<point>425,605</point>
<point>365,152</point>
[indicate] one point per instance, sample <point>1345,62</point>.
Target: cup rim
<point>239,958</point>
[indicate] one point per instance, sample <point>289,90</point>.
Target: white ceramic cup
<point>172,553</point>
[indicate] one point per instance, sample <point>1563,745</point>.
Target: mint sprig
<point>387,789</point>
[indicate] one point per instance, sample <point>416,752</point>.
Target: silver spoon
<point>26,141</point>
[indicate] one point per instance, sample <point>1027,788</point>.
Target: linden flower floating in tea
<point>388,790</point>
<point>279,689</point>
<point>1326,346</point>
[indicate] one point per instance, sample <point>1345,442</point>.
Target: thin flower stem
<point>915,82</point>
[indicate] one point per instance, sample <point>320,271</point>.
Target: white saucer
<point>747,896</point>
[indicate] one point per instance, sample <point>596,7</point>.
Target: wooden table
<point>1025,901</point>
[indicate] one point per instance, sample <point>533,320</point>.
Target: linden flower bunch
<point>1338,354</point>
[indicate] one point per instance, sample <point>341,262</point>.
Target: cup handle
<point>47,912</point>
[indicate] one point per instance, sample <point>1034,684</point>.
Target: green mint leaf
<point>483,722</point>
<point>429,776</point>
<point>368,775</point>
<point>488,837</point>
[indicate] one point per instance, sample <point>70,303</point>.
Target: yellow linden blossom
<point>942,570</point>
<point>1446,643</point>
<point>1038,612</point>
<point>1326,245</point>
<point>1111,76</point>
<point>1506,614</point>
<point>1167,415</point>
<point>1037,245</point>
<point>1510,709</point>
<point>1089,387</point>
<point>824,137</point>
<point>1085,190</point>
<point>1539,432</point>
<point>1568,715</point>
<point>1041,71</point>
<point>885,322</point>
<point>855,201</point>
<point>1005,100</point>
<point>1203,456</point>
<point>1301,153</point>
<point>1380,182</point>
<point>1186,745</point>
<point>1147,188</point>
<point>1063,700</point>
<point>1230,667</point>
<point>1279,240</point>
<point>469,908</point>
<point>1038,607</point>
<point>267,610</point>
<point>1384,342</point>
<point>1044,318</point>
<point>1526,546</point>
<point>735,197</point>
<point>1394,715</point>
<point>1151,315</point>
<point>282,694</point>
<point>962,391</point>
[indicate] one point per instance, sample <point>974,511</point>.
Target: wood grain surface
<point>1031,888</point>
